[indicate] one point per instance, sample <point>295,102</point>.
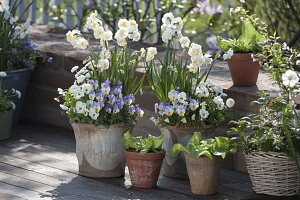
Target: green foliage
<point>248,41</point>
<point>219,146</point>
<point>5,104</point>
<point>143,145</point>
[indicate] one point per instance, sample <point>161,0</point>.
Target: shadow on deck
<point>39,162</point>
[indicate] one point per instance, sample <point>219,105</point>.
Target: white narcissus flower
<point>184,42</point>
<point>74,69</point>
<point>2,74</point>
<point>195,51</point>
<point>98,32</point>
<point>136,36</point>
<point>107,35</point>
<point>193,67</point>
<point>82,43</point>
<point>105,54</point>
<point>177,22</point>
<point>230,103</point>
<point>123,24</point>
<point>228,54</point>
<point>207,59</point>
<point>122,42</point>
<point>151,52</point>
<point>290,78</point>
<point>168,18</point>
<point>103,64</point>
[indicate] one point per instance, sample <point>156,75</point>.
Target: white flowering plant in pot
<point>104,90</point>
<point>187,97</point>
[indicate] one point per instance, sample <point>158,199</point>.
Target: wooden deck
<point>39,162</point>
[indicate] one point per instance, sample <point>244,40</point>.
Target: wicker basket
<point>273,173</point>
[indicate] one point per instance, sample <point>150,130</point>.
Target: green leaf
<point>177,148</point>
<point>206,153</point>
<point>158,141</point>
<point>195,139</point>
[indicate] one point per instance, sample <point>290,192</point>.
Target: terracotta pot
<point>175,167</point>
<point>203,173</point>
<point>144,169</point>
<point>244,72</point>
<point>100,150</point>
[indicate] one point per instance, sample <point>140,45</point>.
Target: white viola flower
<point>184,42</point>
<point>93,114</point>
<point>60,91</point>
<point>107,35</point>
<point>18,93</point>
<point>181,97</point>
<point>177,22</point>
<point>87,88</point>
<point>80,79</point>
<point>183,120</point>
<point>219,102</point>
<point>151,52</point>
<point>81,43</point>
<point>203,105</point>
<point>154,120</point>
<point>99,32</point>
<point>203,113</point>
<point>290,78</point>
<point>63,107</point>
<point>202,91</point>
<point>3,74</point>
<point>80,107</point>
<point>230,102</point>
<point>74,69</point>
<point>123,24</point>
<point>122,42</point>
<point>217,89</point>
<point>228,54</point>
<point>168,18</point>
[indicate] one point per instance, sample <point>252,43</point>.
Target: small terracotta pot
<point>144,169</point>
<point>244,72</point>
<point>203,173</point>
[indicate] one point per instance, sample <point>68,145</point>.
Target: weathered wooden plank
<point>6,196</point>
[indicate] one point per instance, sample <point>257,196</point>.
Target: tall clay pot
<point>144,168</point>
<point>174,167</point>
<point>5,124</point>
<point>203,174</point>
<point>100,150</point>
<point>244,72</point>
<point>17,79</point>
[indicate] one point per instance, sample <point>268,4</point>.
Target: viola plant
<point>5,95</point>
<point>186,96</point>
<point>197,147</point>
<point>105,88</point>
<point>143,145</point>
<point>16,49</point>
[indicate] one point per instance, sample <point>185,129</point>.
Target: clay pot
<point>174,167</point>
<point>244,72</point>
<point>100,150</point>
<point>203,173</point>
<point>144,169</point>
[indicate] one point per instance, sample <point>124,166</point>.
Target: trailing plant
<point>185,94</point>
<point>5,95</point>
<point>277,126</point>
<point>103,93</point>
<point>143,145</point>
<point>197,147</point>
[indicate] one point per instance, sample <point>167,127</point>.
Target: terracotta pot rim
<point>144,156</point>
<point>190,127</point>
<point>201,157</point>
<point>101,126</point>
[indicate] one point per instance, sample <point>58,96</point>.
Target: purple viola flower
<point>193,104</point>
<point>117,89</point>
<point>111,99</point>
<point>50,60</point>
<point>92,95</point>
<point>131,109</point>
<point>129,99</point>
<point>116,108</point>
<point>105,88</point>
<point>139,111</point>
<point>94,83</point>
<point>108,108</point>
<point>97,106</point>
<point>180,110</point>
<point>161,106</point>
<point>120,102</point>
<point>99,95</point>
<point>168,110</point>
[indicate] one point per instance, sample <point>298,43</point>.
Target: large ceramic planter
<point>175,167</point>
<point>244,72</point>
<point>273,173</point>
<point>17,79</point>
<point>5,124</point>
<point>100,150</point>
<point>203,174</point>
<point>144,169</point>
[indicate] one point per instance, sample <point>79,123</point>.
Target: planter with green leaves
<point>100,103</point>
<point>271,138</point>
<point>203,161</point>
<point>6,109</point>
<point>240,53</point>
<point>189,101</point>
<point>144,159</point>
